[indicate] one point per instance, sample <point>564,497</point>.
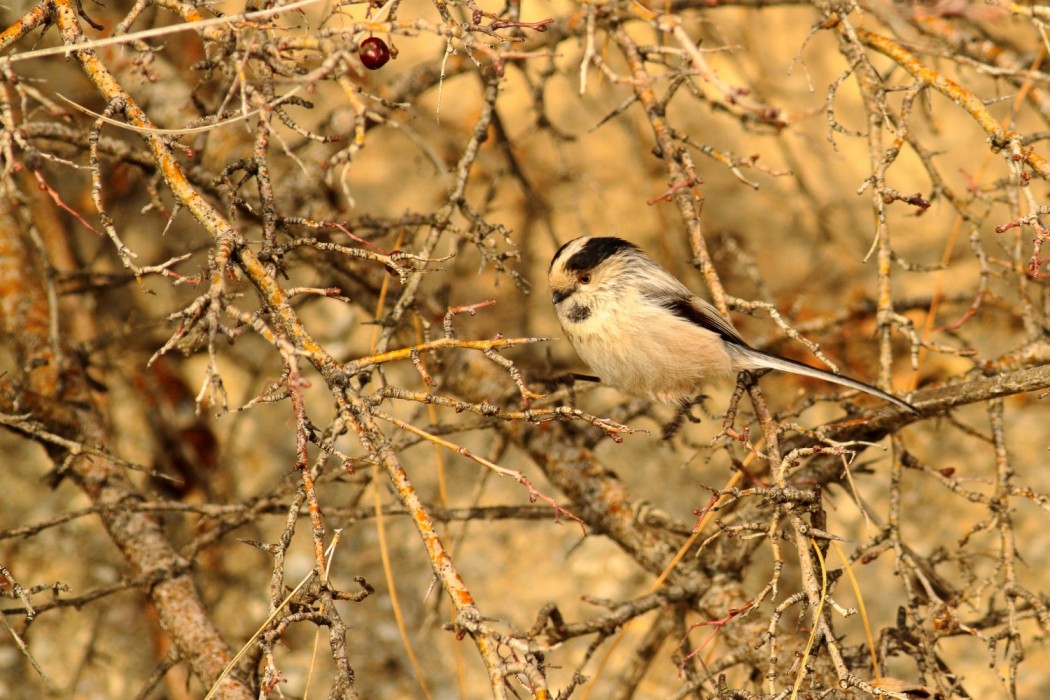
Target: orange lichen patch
<point>23,25</point>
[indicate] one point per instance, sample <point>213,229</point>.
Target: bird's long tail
<point>748,358</point>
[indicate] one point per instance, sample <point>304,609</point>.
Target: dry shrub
<point>279,321</point>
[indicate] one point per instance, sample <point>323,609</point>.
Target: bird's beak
<point>560,295</point>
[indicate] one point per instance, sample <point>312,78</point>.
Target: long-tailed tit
<point>643,332</point>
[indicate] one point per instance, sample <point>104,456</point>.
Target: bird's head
<point>587,269</point>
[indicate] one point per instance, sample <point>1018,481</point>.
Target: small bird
<point>643,332</point>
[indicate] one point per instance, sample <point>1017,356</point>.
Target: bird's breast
<point>647,352</point>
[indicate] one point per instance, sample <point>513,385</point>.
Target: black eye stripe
<point>595,252</point>
<point>557,255</point>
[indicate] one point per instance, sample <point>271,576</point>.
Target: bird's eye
<point>585,278</point>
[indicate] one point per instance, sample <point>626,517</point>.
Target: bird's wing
<point>697,311</point>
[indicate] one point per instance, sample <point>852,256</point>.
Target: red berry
<point>374,53</point>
